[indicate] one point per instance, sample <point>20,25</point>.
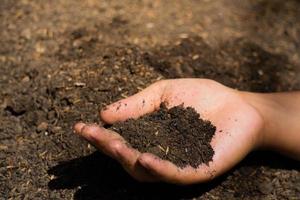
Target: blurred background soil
<point>62,61</point>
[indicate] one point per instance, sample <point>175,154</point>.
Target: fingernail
<point>79,126</point>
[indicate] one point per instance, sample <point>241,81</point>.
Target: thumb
<point>135,106</point>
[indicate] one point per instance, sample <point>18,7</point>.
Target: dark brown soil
<point>61,61</point>
<point>177,134</point>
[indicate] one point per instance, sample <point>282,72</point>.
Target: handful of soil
<point>177,134</point>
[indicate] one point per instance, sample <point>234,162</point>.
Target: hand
<point>238,131</point>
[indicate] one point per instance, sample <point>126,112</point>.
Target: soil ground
<point>61,61</point>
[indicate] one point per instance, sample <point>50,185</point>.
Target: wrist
<point>280,113</point>
<point>262,106</point>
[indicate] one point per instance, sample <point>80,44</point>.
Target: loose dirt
<point>62,61</point>
<point>177,134</point>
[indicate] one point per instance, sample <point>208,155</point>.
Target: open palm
<point>238,127</point>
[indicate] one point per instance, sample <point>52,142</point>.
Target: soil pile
<point>177,134</point>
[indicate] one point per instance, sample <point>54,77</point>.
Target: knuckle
<point>115,145</point>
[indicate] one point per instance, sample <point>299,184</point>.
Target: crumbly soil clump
<point>177,134</point>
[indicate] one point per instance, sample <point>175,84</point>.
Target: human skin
<point>281,117</point>
<point>244,121</point>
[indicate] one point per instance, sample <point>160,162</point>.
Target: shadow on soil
<point>98,177</point>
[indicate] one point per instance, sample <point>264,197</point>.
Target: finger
<point>103,139</point>
<point>168,172</point>
<point>137,105</point>
<point>95,132</point>
<point>128,157</point>
<point>113,145</point>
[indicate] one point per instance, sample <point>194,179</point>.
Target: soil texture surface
<point>177,134</point>
<point>62,61</point>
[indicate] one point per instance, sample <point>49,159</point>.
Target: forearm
<point>281,115</point>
